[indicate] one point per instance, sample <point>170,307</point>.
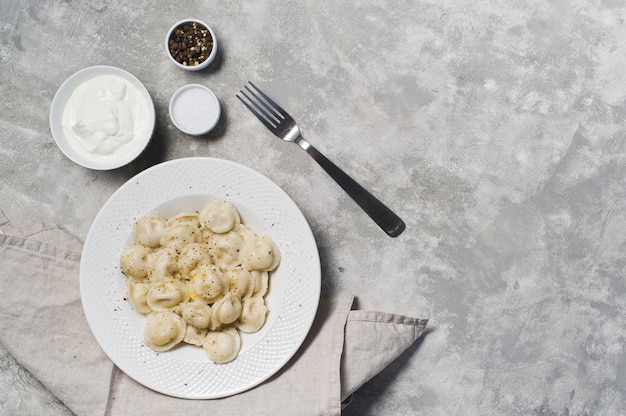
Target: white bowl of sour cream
<point>102,117</point>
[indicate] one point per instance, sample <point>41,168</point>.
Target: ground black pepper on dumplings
<point>199,277</point>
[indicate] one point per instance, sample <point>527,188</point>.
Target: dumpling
<point>149,230</point>
<point>220,216</point>
<point>164,264</point>
<point>244,232</point>
<point>165,294</point>
<point>205,235</point>
<point>191,256</point>
<point>163,330</point>
<point>177,236</point>
<point>239,282</point>
<point>135,261</point>
<point>190,218</point>
<point>261,282</point>
<point>196,314</point>
<point>226,310</point>
<point>252,315</point>
<point>206,283</point>
<point>137,292</point>
<point>226,250</point>
<point>260,253</point>
<point>195,336</point>
<point>222,346</point>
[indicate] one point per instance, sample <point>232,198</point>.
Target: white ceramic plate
<point>187,184</point>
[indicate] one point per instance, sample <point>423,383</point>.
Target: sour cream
<point>106,117</point>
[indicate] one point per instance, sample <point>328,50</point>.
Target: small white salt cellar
<point>194,109</point>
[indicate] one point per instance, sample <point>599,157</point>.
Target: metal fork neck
<point>302,143</point>
<point>292,135</point>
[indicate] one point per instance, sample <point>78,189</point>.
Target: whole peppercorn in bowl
<point>191,44</point>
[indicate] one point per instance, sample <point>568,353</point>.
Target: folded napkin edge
<point>39,247</point>
<point>386,317</point>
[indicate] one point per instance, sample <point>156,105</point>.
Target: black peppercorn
<point>190,43</point>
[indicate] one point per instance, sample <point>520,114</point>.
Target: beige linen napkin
<point>42,325</point>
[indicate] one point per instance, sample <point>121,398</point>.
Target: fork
<point>279,122</point>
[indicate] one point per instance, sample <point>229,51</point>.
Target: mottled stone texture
<point>496,129</point>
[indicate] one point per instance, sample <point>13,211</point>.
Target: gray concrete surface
<point>495,129</point>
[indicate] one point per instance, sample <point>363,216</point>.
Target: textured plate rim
<point>105,302</point>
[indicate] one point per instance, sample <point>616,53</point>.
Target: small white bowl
<point>73,149</point>
<point>194,109</point>
<point>202,64</point>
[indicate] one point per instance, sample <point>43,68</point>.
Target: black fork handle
<point>379,212</point>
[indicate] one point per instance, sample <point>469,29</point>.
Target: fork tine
<point>258,102</point>
<point>276,108</point>
<point>263,118</point>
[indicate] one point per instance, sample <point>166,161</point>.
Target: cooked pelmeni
<point>164,264</point>
<point>252,314</point>
<point>261,282</point>
<point>191,256</point>
<point>190,218</point>
<point>244,232</point>
<point>177,236</point>
<point>199,278</point>
<point>226,250</point>
<point>205,235</point>
<point>196,314</point>
<point>135,261</point>
<point>163,330</point>
<point>195,336</point>
<point>165,294</point>
<point>149,230</point>
<point>260,253</point>
<point>137,292</point>
<point>220,216</point>
<point>222,346</point>
<point>207,283</point>
<point>226,310</point>
<point>239,282</point>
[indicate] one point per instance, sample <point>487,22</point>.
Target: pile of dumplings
<point>199,278</point>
